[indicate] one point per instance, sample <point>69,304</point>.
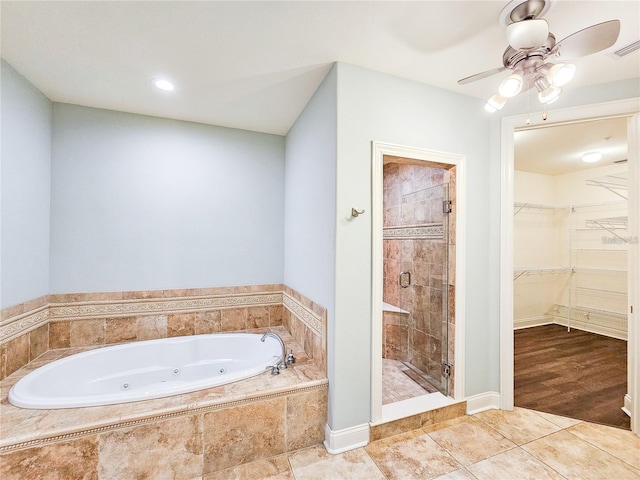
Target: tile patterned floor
<point>492,445</point>
<point>396,385</point>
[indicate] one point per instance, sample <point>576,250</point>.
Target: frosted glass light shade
<point>495,102</point>
<point>528,34</point>
<point>549,94</point>
<point>511,85</point>
<point>561,74</point>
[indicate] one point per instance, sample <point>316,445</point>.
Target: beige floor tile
<point>620,443</point>
<point>562,422</point>
<point>275,468</point>
<point>471,442</point>
<point>512,464</point>
<point>315,463</point>
<point>576,459</point>
<point>461,474</point>
<point>411,455</point>
<point>520,426</point>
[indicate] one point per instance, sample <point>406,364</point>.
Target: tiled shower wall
<point>77,320</point>
<point>412,241</point>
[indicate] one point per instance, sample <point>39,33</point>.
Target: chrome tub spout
<point>283,359</point>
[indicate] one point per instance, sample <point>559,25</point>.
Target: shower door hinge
<point>446,370</point>
<point>446,206</point>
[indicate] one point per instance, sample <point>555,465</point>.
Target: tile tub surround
<point>24,334</point>
<point>183,436</point>
<point>94,319</point>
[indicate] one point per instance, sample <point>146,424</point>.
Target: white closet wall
<point>570,251</point>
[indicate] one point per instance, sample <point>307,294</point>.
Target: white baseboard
<point>483,401</point>
<point>592,328</point>
<point>575,324</point>
<point>627,404</point>
<point>339,441</point>
<point>531,322</point>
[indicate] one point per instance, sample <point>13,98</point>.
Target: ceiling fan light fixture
<point>527,34</point>
<point>561,73</point>
<point>495,102</point>
<point>549,94</point>
<point>511,85</point>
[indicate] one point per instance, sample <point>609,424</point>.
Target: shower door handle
<point>405,279</point>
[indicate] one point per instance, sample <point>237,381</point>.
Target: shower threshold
<point>414,406</point>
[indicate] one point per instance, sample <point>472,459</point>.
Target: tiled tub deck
<point>184,436</point>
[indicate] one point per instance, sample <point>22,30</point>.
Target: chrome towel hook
<point>355,212</point>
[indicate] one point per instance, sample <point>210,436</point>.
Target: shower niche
<point>418,281</point>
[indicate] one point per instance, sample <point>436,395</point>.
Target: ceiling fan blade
<point>588,40</point>
<point>480,76</point>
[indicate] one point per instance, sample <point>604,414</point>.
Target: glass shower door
<point>424,284</point>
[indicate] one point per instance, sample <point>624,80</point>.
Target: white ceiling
<point>254,65</point>
<point>555,150</point>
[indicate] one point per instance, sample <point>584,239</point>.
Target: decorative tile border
<point>22,323</point>
<point>125,308</point>
<point>12,328</point>
<point>428,231</point>
<point>305,314</point>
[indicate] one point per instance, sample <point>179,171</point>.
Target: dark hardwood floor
<point>574,374</point>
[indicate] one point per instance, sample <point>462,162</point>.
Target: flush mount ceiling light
<point>532,51</point>
<point>591,157</point>
<point>163,84</point>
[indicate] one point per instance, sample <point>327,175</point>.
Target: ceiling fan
<point>534,56</point>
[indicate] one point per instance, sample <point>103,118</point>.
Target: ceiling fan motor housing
<point>519,10</point>
<point>512,57</point>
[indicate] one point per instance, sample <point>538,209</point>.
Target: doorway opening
<point>627,108</point>
<point>416,281</point>
<point>570,251</point>
<point>417,212</point>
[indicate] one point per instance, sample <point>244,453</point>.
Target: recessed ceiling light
<point>591,157</point>
<point>163,84</point>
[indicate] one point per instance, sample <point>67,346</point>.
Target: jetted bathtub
<point>144,370</point>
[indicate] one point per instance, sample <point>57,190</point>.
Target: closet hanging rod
<point>531,271</point>
<point>540,206</point>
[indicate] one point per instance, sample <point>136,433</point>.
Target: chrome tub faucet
<point>284,360</point>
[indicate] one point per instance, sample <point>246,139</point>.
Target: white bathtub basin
<point>144,370</point>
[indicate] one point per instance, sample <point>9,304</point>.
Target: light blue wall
<point>310,205</point>
<point>310,197</point>
<point>375,106</point>
<point>26,180</point>
<point>142,203</point>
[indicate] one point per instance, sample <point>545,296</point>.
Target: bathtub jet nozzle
<point>282,362</point>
